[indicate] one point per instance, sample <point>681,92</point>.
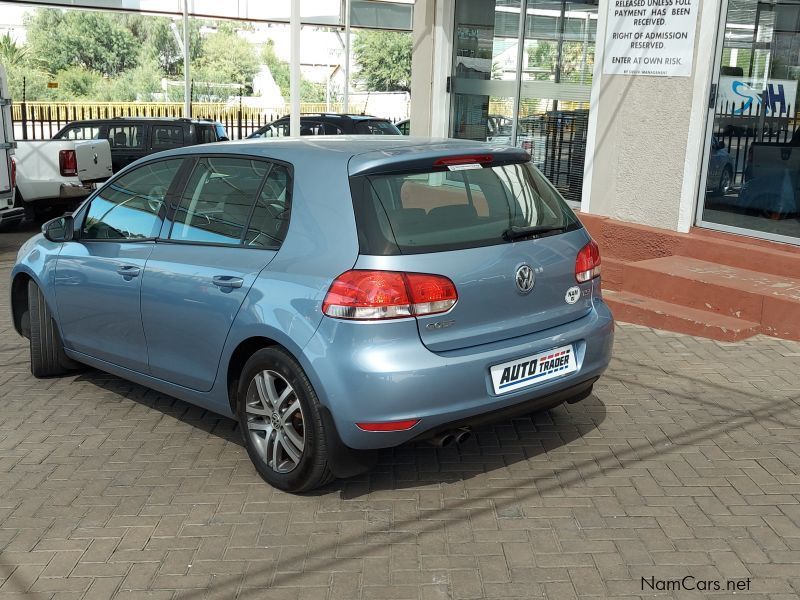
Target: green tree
<point>281,73</point>
<point>226,58</point>
<point>11,53</point>
<point>280,70</point>
<point>34,82</point>
<point>159,43</point>
<point>576,61</point>
<point>135,85</point>
<point>93,40</point>
<point>385,60</point>
<point>77,82</point>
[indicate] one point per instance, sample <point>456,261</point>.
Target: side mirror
<point>60,229</point>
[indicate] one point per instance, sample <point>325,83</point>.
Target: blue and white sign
<point>743,96</point>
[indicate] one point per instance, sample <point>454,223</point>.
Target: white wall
<point>647,136</point>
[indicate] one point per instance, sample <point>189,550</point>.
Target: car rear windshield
<point>442,209</point>
<point>376,127</point>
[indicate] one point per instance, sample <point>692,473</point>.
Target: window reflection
<point>132,206</point>
<point>753,161</point>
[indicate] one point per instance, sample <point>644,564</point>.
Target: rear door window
<point>270,220</point>
<point>439,210</point>
<point>80,132</point>
<point>216,204</point>
<point>126,136</point>
<point>167,136</point>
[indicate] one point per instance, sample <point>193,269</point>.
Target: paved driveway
<point>681,469</point>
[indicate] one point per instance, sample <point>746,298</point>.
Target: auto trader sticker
<point>531,370</point>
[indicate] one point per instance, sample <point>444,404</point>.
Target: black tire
<point>312,469</point>
<point>47,350</point>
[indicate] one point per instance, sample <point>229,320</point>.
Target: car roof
<point>144,119</point>
<point>357,153</point>
<point>335,117</point>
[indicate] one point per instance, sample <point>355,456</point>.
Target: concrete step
<point>632,242</point>
<point>612,273</point>
<point>641,310</point>
<point>773,301</point>
<point>751,254</point>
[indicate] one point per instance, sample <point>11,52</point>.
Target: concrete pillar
<point>431,60</point>
<point>647,136</point>
<point>422,67</point>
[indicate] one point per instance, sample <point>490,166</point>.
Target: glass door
<point>752,178</point>
<point>484,70</point>
<point>526,80</point>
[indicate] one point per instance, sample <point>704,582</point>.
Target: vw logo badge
<point>525,279</point>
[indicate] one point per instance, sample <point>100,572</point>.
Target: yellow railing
<point>70,111</point>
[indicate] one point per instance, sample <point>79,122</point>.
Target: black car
<point>329,124</point>
<point>131,138</point>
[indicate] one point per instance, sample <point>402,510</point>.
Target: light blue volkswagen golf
<point>335,295</point>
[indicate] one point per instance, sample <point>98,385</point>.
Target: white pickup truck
<point>49,173</point>
<point>59,173</point>
<point>8,212</point>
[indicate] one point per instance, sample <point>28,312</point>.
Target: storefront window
<point>753,164</point>
<point>539,100</point>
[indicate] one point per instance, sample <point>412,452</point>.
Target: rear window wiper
<point>515,233</point>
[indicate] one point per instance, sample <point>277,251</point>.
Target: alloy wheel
<point>275,421</point>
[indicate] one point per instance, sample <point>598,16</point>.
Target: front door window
<point>753,152</point>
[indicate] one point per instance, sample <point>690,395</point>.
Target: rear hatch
<point>498,230</point>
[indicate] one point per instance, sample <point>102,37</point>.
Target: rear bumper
<point>381,372</point>
<point>74,191</point>
<point>12,215</point>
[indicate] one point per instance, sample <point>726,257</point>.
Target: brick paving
<point>683,463</point>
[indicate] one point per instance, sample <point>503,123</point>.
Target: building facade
<point>666,113</point>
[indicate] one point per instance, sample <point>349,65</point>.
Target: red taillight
<point>13,173</point>
<point>464,160</point>
<point>587,263</point>
<point>374,295</point>
<point>388,425</point>
<point>67,163</point>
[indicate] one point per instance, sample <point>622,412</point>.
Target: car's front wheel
<point>279,415</point>
<point>47,350</point>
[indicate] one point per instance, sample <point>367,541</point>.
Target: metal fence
<point>42,120</point>
<point>556,141</point>
<point>739,125</point>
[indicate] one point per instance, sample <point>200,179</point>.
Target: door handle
<point>227,281</point>
<point>129,271</point>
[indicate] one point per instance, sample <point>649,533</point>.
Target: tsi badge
<point>573,294</point>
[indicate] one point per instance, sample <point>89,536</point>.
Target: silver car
<point>336,295</point>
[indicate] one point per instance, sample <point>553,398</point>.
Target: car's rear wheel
<point>725,180</point>
<point>47,350</point>
<point>279,415</point>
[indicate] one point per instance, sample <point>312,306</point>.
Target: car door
<point>98,275</point>
<point>229,222</point>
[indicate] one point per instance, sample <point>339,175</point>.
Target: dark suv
<point>329,124</point>
<point>131,138</point>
